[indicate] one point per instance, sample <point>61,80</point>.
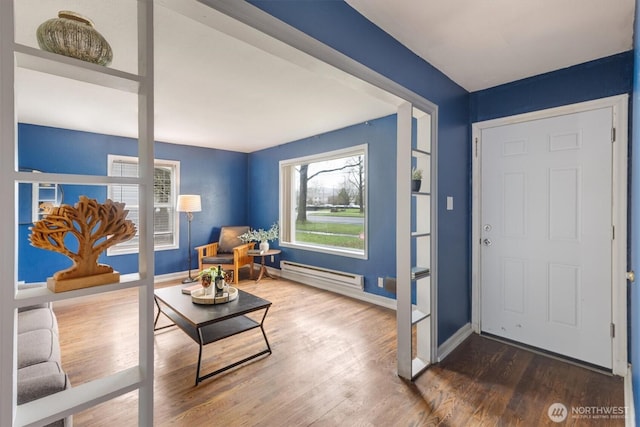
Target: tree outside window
<point>324,200</point>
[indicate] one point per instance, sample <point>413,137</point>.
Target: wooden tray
<point>199,297</point>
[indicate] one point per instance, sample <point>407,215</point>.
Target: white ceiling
<point>230,88</point>
<point>485,43</point>
<point>234,88</point>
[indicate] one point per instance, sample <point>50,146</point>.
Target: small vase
<point>264,246</point>
<point>415,184</point>
<point>71,34</point>
<point>208,290</point>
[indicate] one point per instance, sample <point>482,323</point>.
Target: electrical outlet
<point>273,259</point>
<point>380,282</point>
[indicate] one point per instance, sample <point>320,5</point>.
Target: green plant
<point>211,272</point>
<point>261,235</point>
<point>416,174</point>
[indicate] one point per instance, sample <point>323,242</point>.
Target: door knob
<point>486,242</point>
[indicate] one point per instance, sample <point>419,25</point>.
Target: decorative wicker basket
<point>71,34</point>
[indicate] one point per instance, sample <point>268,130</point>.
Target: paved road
<point>337,219</point>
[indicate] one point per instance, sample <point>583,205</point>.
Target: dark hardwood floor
<point>333,364</point>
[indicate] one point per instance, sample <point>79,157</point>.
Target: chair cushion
<point>217,259</point>
<point>229,238</point>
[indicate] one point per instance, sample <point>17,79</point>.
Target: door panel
<point>547,229</point>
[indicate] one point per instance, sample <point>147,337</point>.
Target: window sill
<point>135,250</point>
<point>325,250</point>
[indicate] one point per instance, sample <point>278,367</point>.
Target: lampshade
<point>189,203</point>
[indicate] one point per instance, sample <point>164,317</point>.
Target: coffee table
<point>208,323</point>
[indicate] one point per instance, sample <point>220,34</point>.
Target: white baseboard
<point>630,420</point>
<point>179,275</point>
<point>173,276</point>
<point>275,272</point>
<point>352,293</point>
<point>454,341</point>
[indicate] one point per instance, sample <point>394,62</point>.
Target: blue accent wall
<point>583,82</point>
<point>338,25</point>
<point>220,177</point>
<point>380,137</point>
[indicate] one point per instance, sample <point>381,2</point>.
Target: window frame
<point>37,210</point>
<point>287,200</point>
<point>174,167</point>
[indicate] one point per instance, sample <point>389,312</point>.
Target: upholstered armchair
<point>229,252</point>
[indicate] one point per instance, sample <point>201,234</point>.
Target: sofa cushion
<point>229,238</point>
<point>37,346</point>
<point>221,259</point>
<point>39,380</point>
<point>37,387</point>
<point>38,318</point>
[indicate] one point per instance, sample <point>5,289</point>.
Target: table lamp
<point>189,203</point>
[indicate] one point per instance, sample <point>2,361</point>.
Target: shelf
<point>75,69</point>
<point>39,293</point>
<point>418,273</point>
<point>415,244</point>
<point>57,178</point>
<point>417,366</point>
<point>420,234</point>
<point>419,153</point>
<point>418,316</point>
<point>77,398</point>
<point>24,68</point>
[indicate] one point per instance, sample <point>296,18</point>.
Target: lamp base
<point>189,280</point>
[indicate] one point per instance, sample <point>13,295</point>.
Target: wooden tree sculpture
<point>95,226</point>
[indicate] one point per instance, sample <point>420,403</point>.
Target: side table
<point>263,267</point>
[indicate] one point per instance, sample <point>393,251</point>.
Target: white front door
<point>546,219</point>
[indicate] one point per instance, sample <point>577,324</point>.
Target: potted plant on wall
<point>416,179</point>
<point>261,235</point>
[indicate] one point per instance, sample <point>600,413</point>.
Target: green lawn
<point>331,234</point>
<point>331,240</point>
<point>331,227</point>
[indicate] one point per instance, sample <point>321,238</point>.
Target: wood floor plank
<point>333,364</point>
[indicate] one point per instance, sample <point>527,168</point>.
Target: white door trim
<point>619,104</point>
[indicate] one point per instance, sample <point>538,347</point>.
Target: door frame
<point>619,104</point>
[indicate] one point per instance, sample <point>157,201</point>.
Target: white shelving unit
<point>140,377</point>
<point>43,193</point>
<point>415,244</point>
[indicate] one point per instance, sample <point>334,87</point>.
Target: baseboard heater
<point>303,272</point>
